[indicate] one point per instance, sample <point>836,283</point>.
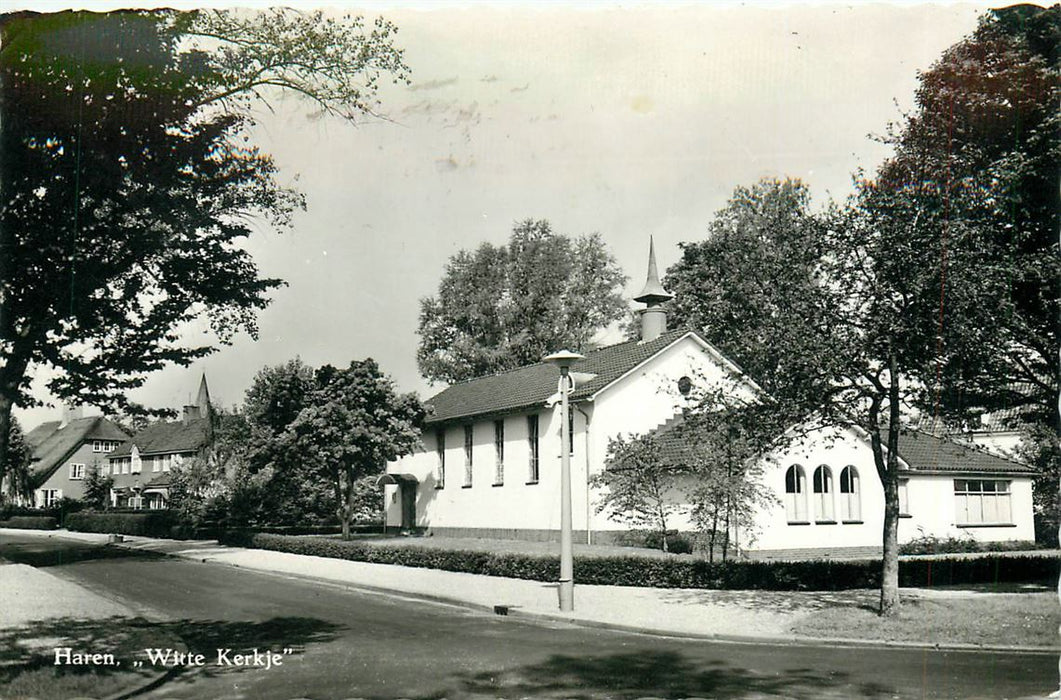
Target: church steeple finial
<point>202,399</point>
<point>653,316</point>
<point>653,293</point>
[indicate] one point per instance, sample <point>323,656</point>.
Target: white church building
<point>490,462</point>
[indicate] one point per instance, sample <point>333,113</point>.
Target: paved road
<point>350,644</point>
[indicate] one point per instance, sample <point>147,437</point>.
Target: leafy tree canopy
<point>502,307</point>
<point>353,424</point>
<point>130,182</point>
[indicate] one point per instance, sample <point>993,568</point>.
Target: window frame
<point>533,449</point>
<point>999,496</point>
<point>76,471</point>
<point>499,452</point>
<point>850,495</point>
<point>796,499</point>
<point>822,490</point>
<point>469,451</point>
<point>440,453</point>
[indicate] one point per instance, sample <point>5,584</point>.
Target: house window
<point>532,448</point>
<point>850,495</point>
<point>97,446</point>
<point>469,433</point>
<point>823,495</point>
<point>440,450</point>
<point>796,495</point>
<point>167,462</point>
<point>126,465</point>
<point>116,466</point>
<point>77,471</point>
<point>499,452</point>
<point>156,464</point>
<point>982,502</point>
<point>904,497</point>
<point>137,464</point>
<point>50,497</point>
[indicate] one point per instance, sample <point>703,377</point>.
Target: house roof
<point>922,451</point>
<point>52,442</point>
<point>167,438</point>
<point>929,453</point>
<point>532,385</point>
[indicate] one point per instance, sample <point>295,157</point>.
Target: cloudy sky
<point>628,120</point>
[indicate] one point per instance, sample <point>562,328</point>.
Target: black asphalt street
<point>348,644</point>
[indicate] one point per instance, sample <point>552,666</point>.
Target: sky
<point>626,120</point>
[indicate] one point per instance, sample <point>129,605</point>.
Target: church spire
<point>653,293</point>
<point>202,400</point>
<point>653,316</point>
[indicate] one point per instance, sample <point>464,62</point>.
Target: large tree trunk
<point>889,587</point>
<point>887,465</point>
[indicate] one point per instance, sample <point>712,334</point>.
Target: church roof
<point>923,452</point>
<point>531,385</point>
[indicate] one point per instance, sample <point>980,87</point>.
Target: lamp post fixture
<point>564,359</point>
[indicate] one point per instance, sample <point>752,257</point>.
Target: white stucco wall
<point>636,403</point>
<point>930,508</point>
<point>836,449</point>
<point>933,511</point>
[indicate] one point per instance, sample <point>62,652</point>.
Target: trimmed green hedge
<point>31,522</point>
<point>815,575</point>
<point>159,523</point>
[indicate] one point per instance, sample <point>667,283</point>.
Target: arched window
<point>823,494</point>
<point>850,495</point>
<point>796,494</point>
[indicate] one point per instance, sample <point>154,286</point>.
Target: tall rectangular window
<point>499,452</point>
<point>532,448</point>
<point>440,450</point>
<point>982,502</point>
<point>904,497</point>
<point>570,431</point>
<point>469,435</point>
<point>77,471</point>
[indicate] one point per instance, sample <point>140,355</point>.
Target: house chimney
<point>190,414</point>
<point>653,316</point>
<point>70,413</point>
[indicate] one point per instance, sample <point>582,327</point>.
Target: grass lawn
<point>944,616</point>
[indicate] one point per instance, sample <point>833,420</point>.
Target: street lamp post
<point>564,359</point>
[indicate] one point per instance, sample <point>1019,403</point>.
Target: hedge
<point>160,523</point>
<point>814,575</point>
<point>31,522</point>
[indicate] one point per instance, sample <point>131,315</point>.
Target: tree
<point>16,479</point>
<point>352,425</point>
<point>639,486</point>
<point>129,182</point>
<point>850,334</point>
<point>98,485</point>
<point>501,307</point>
<point>982,145</point>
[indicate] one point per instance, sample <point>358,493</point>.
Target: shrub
<point>670,573</point>
<point>927,544</point>
<point>159,523</point>
<point>31,522</point>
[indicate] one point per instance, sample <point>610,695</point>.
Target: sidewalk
<point>722,615</point>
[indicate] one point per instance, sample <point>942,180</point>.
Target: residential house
<point>142,467</point>
<point>65,451</point>
<point>489,465</point>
